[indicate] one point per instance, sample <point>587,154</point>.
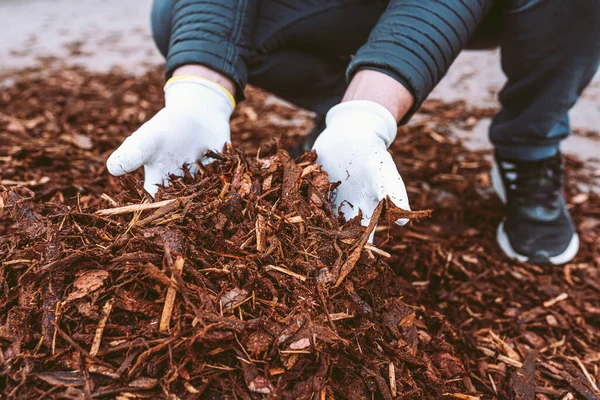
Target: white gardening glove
<point>353,150</point>
<point>195,119</point>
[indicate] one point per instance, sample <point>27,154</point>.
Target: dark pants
<point>550,52</point>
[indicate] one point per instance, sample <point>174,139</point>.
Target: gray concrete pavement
<point>99,34</point>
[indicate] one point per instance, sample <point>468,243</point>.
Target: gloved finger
<point>153,176</point>
<point>400,198</point>
<point>128,157</point>
<point>372,235</point>
<point>390,184</point>
<point>217,147</point>
<point>348,207</point>
<point>159,173</point>
<point>367,206</point>
<point>192,168</point>
<point>206,160</point>
<point>138,148</point>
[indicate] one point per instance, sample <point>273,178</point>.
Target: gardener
<point>302,51</point>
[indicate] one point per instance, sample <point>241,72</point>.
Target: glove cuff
<point>359,117</point>
<point>192,91</point>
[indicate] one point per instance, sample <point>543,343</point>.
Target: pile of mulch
<point>242,283</point>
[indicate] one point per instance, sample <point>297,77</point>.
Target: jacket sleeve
<point>213,33</point>
<point>415,42</point>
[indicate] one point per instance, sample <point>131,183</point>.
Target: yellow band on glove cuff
<point>182,77</point>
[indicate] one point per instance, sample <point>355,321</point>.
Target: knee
<point>586,13</point>
<point>590,11</point>
<point>160,19</point>
<point>573,25</point>
<point>585,26</point>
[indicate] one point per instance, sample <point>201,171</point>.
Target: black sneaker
<point>537,227</point>
<point>307,143</point>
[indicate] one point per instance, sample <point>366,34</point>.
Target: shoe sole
<point>504,243</point>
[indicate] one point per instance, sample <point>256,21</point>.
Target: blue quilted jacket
<point>414,41</point>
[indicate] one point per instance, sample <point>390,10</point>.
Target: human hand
<point>353,150</point>
<point>195,119</point>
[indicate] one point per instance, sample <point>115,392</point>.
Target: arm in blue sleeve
<point>216,34</point>
<point>415,42</point>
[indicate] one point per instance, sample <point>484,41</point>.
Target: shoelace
<point>534,183</point>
